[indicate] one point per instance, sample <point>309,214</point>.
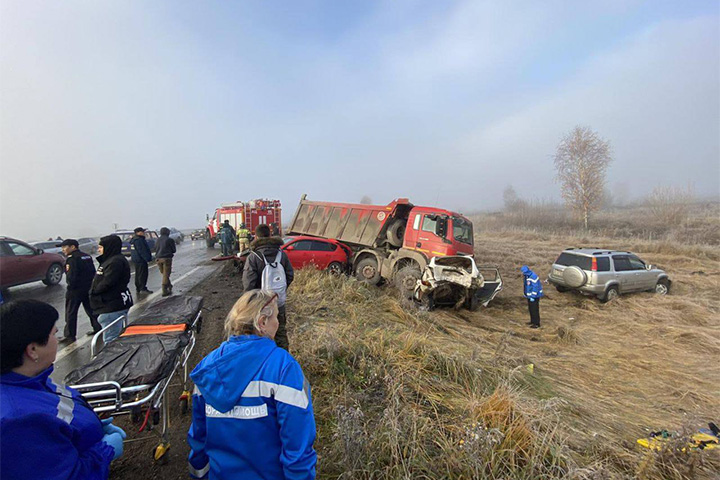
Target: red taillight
<point>594,264</point>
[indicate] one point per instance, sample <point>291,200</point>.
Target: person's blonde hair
<point>244,316</point>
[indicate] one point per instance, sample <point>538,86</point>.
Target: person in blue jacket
<point>227,238</point>
<point>533,292</point>
<point>252,410</point>
<point>47,430</point>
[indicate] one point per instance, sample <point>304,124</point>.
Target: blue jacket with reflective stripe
<point>47,431</point>
<point>533,285</point>
<point>252,414</point>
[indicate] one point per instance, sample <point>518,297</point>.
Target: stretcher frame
<point>111,398</point>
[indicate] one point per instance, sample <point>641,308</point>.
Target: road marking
<point>153,266</point>
<point>86,338</point>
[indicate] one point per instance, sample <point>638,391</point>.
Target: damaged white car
<point>458,282</point>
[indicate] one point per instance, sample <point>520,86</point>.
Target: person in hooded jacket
<point>227,238</point>
<point>47,430</point>
<point>140,255</point>
<point>110,296</point>
<point>252,409</point>
<point>533,291</point>
<point>265,248</point>
<point>164,252</point>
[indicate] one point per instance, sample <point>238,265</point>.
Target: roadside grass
<point>402,394</point>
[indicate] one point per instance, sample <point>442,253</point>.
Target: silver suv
<point>606,273</point>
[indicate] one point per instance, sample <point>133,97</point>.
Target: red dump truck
<point>392,242</point>
<point>252,214</point>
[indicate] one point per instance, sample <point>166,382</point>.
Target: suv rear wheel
<point>53,275</point>
<point>610,294</point>
<point>561,289</point>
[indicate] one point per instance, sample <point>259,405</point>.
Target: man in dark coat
<point>140,255</point>
<point>267,247</point>
<point>164,253</point>
<point>79,273</point>
<point>227,238</point>
<point>110,296</point>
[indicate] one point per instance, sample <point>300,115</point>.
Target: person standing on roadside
<point>227,238</point>
<point>110,296</point>
<point>79,273</point>
<point>533,291</point>
<point>140,255</point>
<point>164,253</point>
<point>243,235</point>
<point>265,250</point>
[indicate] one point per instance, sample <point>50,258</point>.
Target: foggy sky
<point>153,113</point>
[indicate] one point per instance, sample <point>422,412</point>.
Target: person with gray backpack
<point>268,268</point>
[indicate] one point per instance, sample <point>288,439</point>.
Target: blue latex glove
<point>115,441</point>
<point>108,428</point>
<point>531,299</point>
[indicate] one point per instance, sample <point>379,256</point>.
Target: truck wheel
<point>396,233</point>
<point>406,279</point>
<point>54,274</point>
<point>209,241</point>
<point>367,271</point>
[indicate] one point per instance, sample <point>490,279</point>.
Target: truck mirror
<point>207,217</point>
<point>441,227</point>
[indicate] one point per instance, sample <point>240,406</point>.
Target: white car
<point>49,246</point>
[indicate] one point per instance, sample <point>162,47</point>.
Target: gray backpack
<point>273,277</point>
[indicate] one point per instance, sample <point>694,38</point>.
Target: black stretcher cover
<point>133,360</point>
<point>170,311</point>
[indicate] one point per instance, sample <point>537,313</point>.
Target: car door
<point>29,264</point>
<point>643,279</point>
<point>322,253</point>
<point>427,239</point>
<point>625,272</point>
<point>10,266</point>
<point>299,253</point>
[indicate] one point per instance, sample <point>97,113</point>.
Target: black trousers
<point>534,308</point>
<point>281,338</point>
<point>73,300</point>
<point>141,276</point>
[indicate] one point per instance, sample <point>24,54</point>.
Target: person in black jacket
<point>79,273</point>
<point>110,296</point>
<point>140,255</point>
<point>267,247</point>
<point>164,253</point>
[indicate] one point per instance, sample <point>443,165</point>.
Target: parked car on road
<point>49,246</point>
<point>22,263</point>
<point>176,235</point>
<point>325,254</point>
<point>126,235</point>
<point>88,245</point>
<point>606,273</point>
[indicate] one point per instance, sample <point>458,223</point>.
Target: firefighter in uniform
<point>243,235</point>
<point>79,273</point>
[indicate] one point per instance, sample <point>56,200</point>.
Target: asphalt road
<point>190,265</point>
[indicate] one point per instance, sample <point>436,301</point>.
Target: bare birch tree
<point>581,161</point>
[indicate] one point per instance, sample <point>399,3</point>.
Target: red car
<point>21,263</point>
<point>325,254</point>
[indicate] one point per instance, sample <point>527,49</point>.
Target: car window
<point>603,264</point>
<point>571,260</point>
<point>429,224</point>
<point>416,222</point>
<point>304,245</point>
<point>319,246</point>
<point>151,235</point>
<point>5,250</point>
<point>636,263</point>
<point>20,250</point>
<point>622,263</point>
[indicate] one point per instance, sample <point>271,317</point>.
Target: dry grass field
<point>403,394</point>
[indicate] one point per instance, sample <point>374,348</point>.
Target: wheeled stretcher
<point>131,374</point>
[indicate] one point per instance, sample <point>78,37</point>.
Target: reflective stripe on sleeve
<point>66,405</point>
<point>199,473</point>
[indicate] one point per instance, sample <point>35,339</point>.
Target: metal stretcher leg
<point>164,446</point>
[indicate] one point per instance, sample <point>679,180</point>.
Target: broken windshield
<point>462,230</point>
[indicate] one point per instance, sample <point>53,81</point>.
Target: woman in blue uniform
<point>46,429</point>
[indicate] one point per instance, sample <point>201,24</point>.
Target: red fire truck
<point>252,214</point>
<point>392,242</point>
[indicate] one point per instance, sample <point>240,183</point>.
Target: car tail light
<point>594,264</point>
